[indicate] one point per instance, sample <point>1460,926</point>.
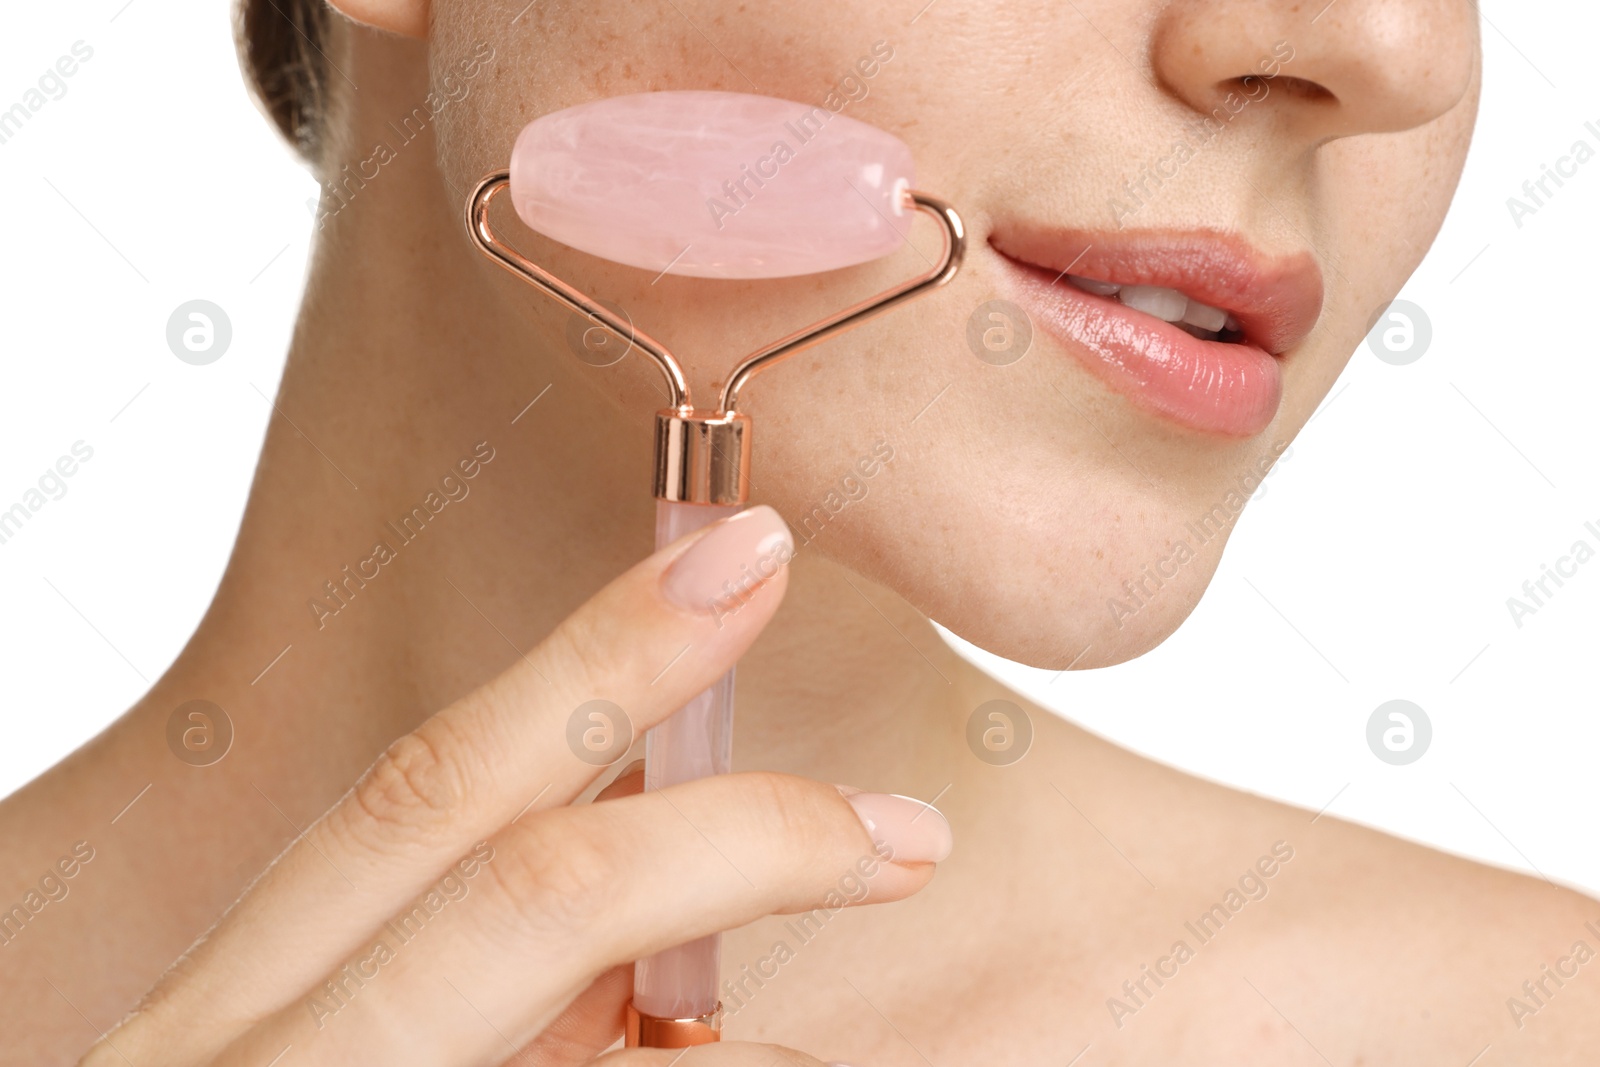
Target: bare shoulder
<point>1478,964</point>
<point>1232,928</point>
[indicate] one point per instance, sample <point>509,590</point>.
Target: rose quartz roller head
<point>707,185</point>
<point>713,185</point>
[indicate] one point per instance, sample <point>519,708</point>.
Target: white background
<point>1375,564</point>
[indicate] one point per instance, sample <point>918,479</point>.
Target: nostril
<point>1304,89</point>
<point>1254,87</point>
<point>1367,66</point>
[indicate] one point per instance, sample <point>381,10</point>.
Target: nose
<point>1328,69</point>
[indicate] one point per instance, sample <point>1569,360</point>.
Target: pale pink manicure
<point>724,568</point>
<point>713,184</point>
<point>913,832</point>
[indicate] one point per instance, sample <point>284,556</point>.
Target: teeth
<point>1165,304</point>
<point>1169,305</point>
<point>1205,316</point>
<point>1092,286</point>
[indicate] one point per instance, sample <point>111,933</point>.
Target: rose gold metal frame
<point>704,457</point>
<point>649,1031</point>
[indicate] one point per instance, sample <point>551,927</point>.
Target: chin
<point>1071,580</point>
<point>1061,618</point>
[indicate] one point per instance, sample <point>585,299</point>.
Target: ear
<point>409,18</point>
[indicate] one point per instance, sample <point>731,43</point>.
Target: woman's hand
<point>454,908</point>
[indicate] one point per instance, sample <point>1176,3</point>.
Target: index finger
<point>648,643</point>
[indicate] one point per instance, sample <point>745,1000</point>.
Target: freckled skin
<point>1018,501</point>
<point>934,94</point>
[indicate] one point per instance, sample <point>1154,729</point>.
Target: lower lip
<point>1227,389</point>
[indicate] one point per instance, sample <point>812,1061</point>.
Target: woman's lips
<point>1213,386</point>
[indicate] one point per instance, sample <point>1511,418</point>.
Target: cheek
<point>1384,199</point>
<point>1387,197</point>
<point>559,53</point>
<point>1021,548</point>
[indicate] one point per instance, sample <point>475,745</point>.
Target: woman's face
<point>1062,467</point>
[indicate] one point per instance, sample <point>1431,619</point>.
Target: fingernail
<point>730,562</point>
<point>910,830</point>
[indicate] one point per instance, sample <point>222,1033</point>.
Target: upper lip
<point>1276,299</point>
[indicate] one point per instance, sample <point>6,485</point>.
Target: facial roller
<point>707,185</point>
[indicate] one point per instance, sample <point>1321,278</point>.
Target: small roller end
<point>649,1031</point>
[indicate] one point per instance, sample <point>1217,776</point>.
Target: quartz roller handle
<point>696,741</point>
<point>707,185</point>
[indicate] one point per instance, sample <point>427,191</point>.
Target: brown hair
<point>281,45</point>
